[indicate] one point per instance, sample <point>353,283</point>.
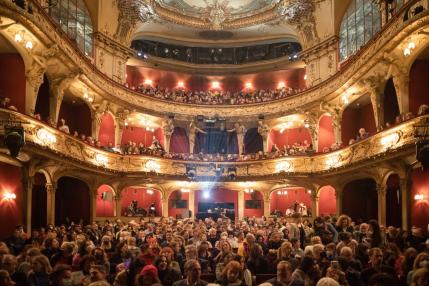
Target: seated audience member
<point>232,274</point>
<point>192,271</point>
<point>423,110</point>
<point>63,127</point>
<point>5,279</point>
<point>362,134</point>
<point>283,277</point>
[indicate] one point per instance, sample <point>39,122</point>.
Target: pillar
<point>336,122</point>
<point>401,81</point>
<point>50,205</point>
<point>381,193</point>
<point>314,204</point>
<point>339,201</point>
<point>95,124</point>
<point>164,203</point>
<point>377,106</point>
<point>191,203</point>
<point>405,203</point>
<point>267,211</point>
<point>118,212</point>
<point>118,134</point>
<point>240,204</point>
<point>28,185</point>
<point>34,79</point>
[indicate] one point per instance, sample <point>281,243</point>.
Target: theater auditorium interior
<point>221,142</point>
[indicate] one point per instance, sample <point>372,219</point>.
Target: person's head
<point>232,271</point>
<point>161,263</point>
<point>191,252</point>
<point>148,276</point>
<point>5,279</point>
<point>346,252</point>
<point>192,270</point>
<point>421,261</point>
<point>9,263</point>
<point>98,273</point>
<point>40,264</point>
<point>61,275</point>
<point>420,277</point>
<point>284,271</point>
<point>376,256</point>
<point>285,250</point>
<point>343,221</point>
<point>326,281</point>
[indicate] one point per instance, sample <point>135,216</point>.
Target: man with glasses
<point>193,275</point>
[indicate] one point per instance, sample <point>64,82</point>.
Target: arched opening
<point>253,204</point>
<point>360,200</point>
<point>326,133</point>
<point>72,201</point>
<point>327,201</point>
<point>178,204</point>
<point>393,201</point>
<point>82,124</point>
<point>208,199</point>
<point>419,85</point>
<point>137,201</point>
<point>289,200</point>
<point>358,114</point>
<point>39,202</point>
<point>43,100</point>
<point>290,139</point>
<point>140,135</point>
<point>179,141</point>
<point>253,141</point>
<point>420,198</point>
<point>105,202</point>
<point>12,75</point>
<point>106,134</point>
<point>390,103</point>
<point>11,209</point>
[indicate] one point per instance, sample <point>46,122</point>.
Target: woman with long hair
<point>232,275</point>
<point>39,275</point>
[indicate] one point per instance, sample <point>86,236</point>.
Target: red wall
<point>253,212</point>
<point>420,209</point>
<point>166,79</point>
<point>179,141</point>
<point>12,79</point>
<point>218,196</point>
<point>107,130</point>
<point>173,196</point>
<point>104,207</point>
<point>326,133</point>
<point>288,137</point>
<point>72,200</point>
<point>418,85</point>
<point>137,134</point>
<point>11,212</point>
<point>327,201</point>
<point>77,117</point>
<point>284,202</point>
<point>142,197</point>
<point>355,118</point>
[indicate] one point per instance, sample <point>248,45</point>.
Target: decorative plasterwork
<point>382,146</point>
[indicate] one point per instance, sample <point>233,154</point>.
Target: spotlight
<point>232,173</point>
<point>14,139</point>
<point>191,172</point>
<point>206,194</point>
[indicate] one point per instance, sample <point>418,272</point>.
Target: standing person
<point>376,266</point>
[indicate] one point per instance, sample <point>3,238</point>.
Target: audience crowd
<point>275,251</point>
<point>212,97</point>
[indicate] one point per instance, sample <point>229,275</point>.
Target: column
<point>377,106</point>
<point>405,203</point>
<point>314,132</point>
<point>191,203</point>
<point>95,124</point>
<point>57,88</point>
<point>118,134</point>
<point>336,122</point>
<point>401,82</point>
<point>34,79</point>
<point>164,203</point>
<point>314,204</point>
<point>28,185</point>
<point>118,212</point>
<point>381,193</point>
<point>267,208</point>
<point>240,204</point>
<point>50,205</point>
<point>92,205</point>
<point>339,201</point>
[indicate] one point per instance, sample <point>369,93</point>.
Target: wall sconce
<point>408,50</point>
<point>46,137</point>
<point>101,159</point>
<point>282,193</point>
<point>9,196</point>
<point>185,190</point>
<point>29,45</point>
<point>248,191</point>
<point>345,99</point>
<point>150,129</point>
<point>19,36</point>
<point>152,166</point>
<point>88,97</point>
<point>419,197</point>
<point>309,192</point>
<point>283,166</point>
<point>306,123</point>
<point>149,192</point>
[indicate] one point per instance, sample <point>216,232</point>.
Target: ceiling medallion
<point>217,14</point>
<point>293,10</point>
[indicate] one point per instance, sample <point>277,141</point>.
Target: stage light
<point>281,85</point>
<point>206,194</point>
<point>9,196</point>
<point>248,85</point>
<point>148,82</point>
<point>215,85</point>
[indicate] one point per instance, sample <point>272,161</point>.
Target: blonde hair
<point>44,261</point>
